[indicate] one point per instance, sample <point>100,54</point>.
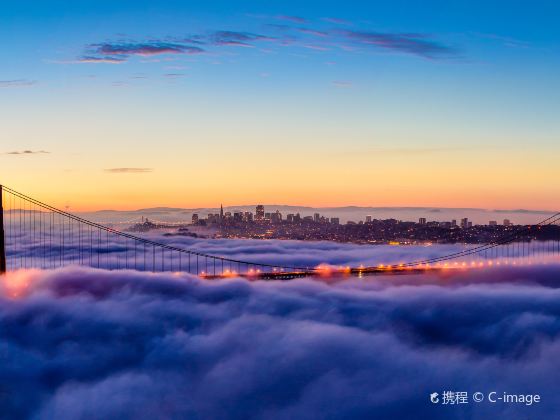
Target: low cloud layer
<point>26,249</point>
<point>82,343</point>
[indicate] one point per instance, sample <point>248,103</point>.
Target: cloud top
<point>86,343</point>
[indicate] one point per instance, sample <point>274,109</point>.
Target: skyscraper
<point>422,220</point>
<point>368,219</point>
<point>259,215</point>
<point>276,217</point>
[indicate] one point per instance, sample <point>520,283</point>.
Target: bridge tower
<point>2,236</point>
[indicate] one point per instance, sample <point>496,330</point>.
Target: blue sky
<point>441,95</point>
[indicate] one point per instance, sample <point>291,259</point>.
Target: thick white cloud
<point>81,343</point>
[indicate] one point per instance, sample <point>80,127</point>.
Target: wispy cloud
<point>412,151</point>
<point>144,49</point>
<point>128,170</point>
<point>174,75</point>
<point>17,83</point>
<point>27,152</point>
<point>290,18</point>
<point>409,43</point>
<point>312,32</point>
<point>107,59</point>
<point>345,84</point>
<point>236,38</point>
<point>294,34</point>
<point>505,40</point>
<point>119,52</point>
<point>336,21</point>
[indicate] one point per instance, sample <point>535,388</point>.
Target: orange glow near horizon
<point>446,181</point>
<point>122,200</point>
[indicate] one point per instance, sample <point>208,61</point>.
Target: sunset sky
<point>131,104</point>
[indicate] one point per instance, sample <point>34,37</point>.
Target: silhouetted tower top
<point>221,213</point>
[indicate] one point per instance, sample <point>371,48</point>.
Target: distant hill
<point>345,213</point>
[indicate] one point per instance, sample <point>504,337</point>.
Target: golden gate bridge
<point>34,234</point>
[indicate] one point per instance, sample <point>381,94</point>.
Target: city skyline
<point>344,213</point>
<point>141,104</point>
<point>275,216</point>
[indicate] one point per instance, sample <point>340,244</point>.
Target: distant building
<point>248,216</point>
<point>454,222</point>
<point>316,217</point>
<point>195,218</point>
<point>507,222</point>
<point>259,215</point>
<point>308,218</point>
<point>422,220</point>
<point>238,216</point>
<point>492,223</point>
<point>465,223</point>
<point>276,217</point>
<point>335,220</point>
<point>368,219</point>
<point>290,218</point>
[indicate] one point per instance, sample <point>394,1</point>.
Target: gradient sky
<point>129,104</point>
